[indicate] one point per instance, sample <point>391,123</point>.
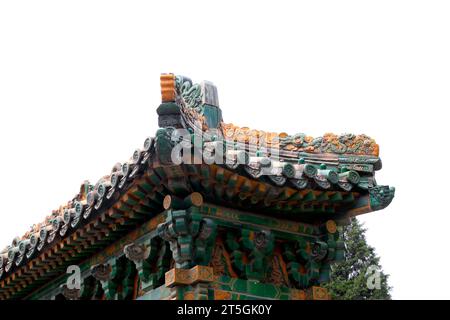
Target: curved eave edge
<point>88,206</point>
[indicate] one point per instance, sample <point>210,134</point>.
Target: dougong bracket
<point>190,237</point>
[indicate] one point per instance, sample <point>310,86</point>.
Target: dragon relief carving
<point>190,93</point>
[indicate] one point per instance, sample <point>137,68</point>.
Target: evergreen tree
<point>349,277</point>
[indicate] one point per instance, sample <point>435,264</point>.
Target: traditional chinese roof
<point>312,179</point>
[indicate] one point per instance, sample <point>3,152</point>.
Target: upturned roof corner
<point>195,159</point>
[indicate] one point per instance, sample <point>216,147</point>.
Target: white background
<point>79,86</point>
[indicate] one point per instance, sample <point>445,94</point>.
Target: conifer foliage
<point>351,276</point>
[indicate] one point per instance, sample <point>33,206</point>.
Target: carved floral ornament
<point>101,272</point>
<point>136,252</point>
<point>329,143</point>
